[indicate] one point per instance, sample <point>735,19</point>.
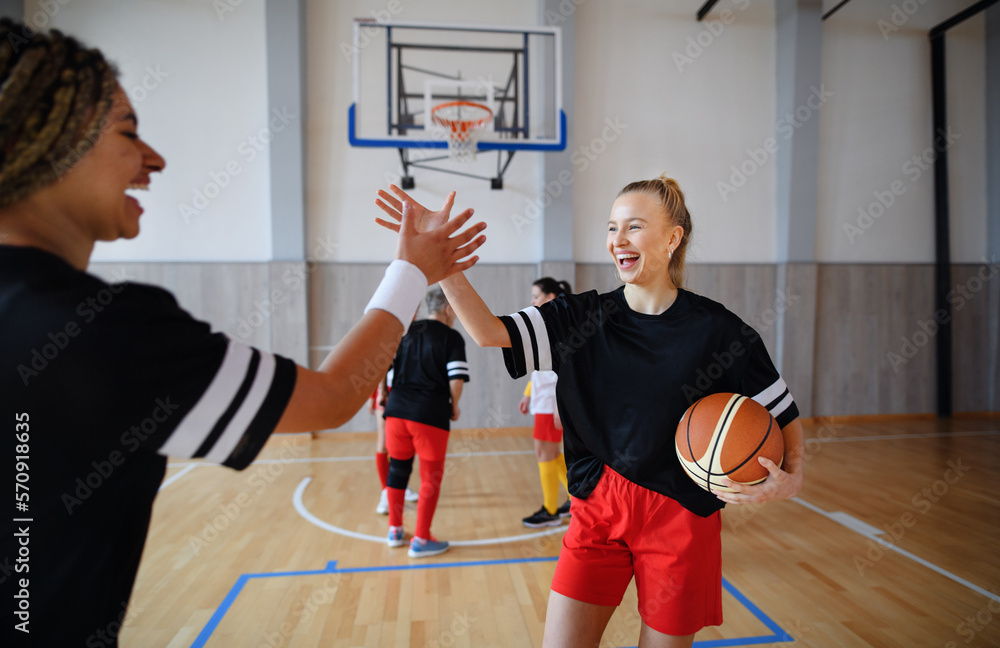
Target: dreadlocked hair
<point>54,97</point>
<point>666,190</point>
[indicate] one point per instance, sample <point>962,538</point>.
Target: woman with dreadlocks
<point>101,381</point>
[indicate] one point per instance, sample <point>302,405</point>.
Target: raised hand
<point>434,250</point>
<point>425,218</point>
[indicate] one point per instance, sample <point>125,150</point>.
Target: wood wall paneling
<point>866,318</point>
<point>747,290</point>
<point>976,311</point>
<point>226,295</point>
<point>795,306</point>
<point>290,310</point>
<point>339,293</point>
<point>855,340</point>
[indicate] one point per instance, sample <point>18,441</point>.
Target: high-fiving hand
<point>425,237</point>
<point>425,219</point>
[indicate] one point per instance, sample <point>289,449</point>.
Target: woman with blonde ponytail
<point>629,363</point>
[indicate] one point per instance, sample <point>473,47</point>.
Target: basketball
<point>722,435</point>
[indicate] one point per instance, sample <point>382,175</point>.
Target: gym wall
<point>837,322</point>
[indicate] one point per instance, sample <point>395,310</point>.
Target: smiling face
<point>640,236</point>
<point>93,191</point>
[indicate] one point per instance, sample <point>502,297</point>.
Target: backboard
<point>402,70</point>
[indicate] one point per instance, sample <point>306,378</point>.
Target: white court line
<point>177,475</point>
<point>497,453</point>
<point>450,455</point>
<point>500,453</point>
<point>872,533</point>
<point>892,437</point>
<point>309,517</point>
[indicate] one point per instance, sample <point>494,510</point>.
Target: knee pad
<point>399,472</point>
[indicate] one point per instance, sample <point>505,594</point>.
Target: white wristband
<point>400,292</point>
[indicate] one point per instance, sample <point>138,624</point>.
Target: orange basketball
<point>722,435</point>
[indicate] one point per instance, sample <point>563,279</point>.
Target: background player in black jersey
<point>628,363</point>
<point>105,380</point>
<point>428,374</point>
<point>540,400</point>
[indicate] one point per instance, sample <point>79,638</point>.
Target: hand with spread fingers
<point>426,238</point>
<point>425,219</point>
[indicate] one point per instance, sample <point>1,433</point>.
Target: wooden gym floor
<point>894,541</point>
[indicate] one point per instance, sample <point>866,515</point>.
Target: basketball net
<point>463,122</point>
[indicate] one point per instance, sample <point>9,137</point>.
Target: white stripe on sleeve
<point>522,329</point>
<point>776,389</point>
<point>458,368</point>
<point>198,424</point>
<point>247,411</point>
<point>782,406</point>
<point>541,338</point>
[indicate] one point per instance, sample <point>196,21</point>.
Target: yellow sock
<point>549,472</point>
<point>562,472</point>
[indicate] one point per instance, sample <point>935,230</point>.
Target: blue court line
<point>331,568</point>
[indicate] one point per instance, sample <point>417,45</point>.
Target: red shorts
<point>405,438</point>
<point>545,428</point>
<point>676,556</point>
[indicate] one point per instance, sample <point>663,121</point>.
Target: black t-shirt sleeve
<point>194,392</point>
<point>763,383</point>
<point>540,336</point>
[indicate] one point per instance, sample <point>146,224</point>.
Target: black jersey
<point>98,383</point>
<point>626,378</point>
<point>430,355</point>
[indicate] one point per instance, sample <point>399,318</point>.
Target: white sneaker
<point>383,503</point>
<point>410,495</point>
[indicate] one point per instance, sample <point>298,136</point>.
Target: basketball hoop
<point>464,121</point>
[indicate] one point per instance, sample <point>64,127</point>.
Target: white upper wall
<point>342,180</point>
<point>694,100</point>
<point>966,65</point>
<point>197,77</point>
<point>655,91</point>
<point>876,181</point>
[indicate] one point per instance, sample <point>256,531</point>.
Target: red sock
<point>382,464</point>
<point>431,473</point>
<point>396,504</point>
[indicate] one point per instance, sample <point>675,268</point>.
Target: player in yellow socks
<point>540,400</point>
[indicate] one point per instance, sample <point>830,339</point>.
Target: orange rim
<point>461,125</point>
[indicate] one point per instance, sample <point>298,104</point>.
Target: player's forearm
<point>485,328</point>
<point>794,448</point>
<point>456,390</point>
<point>361,359</point>
<point>330,396</point>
